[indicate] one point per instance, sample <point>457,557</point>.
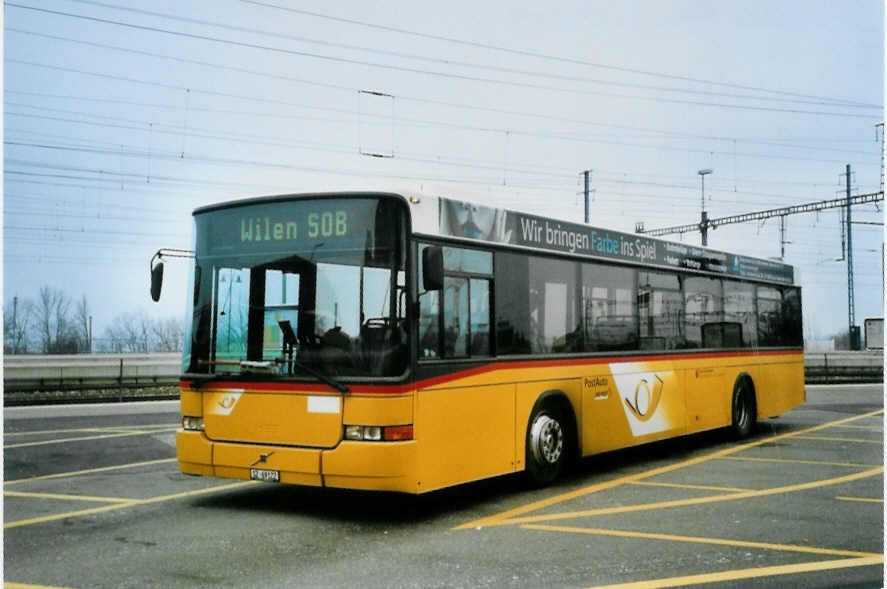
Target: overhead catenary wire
<point>527,53</point>
<point>449,62</point>
<point>425,72</point>
<point>195,132</point>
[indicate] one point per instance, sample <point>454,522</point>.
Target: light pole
<point>703,222</point>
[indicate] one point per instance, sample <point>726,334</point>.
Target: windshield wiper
<point>329,380</point>
<point>266,367</point>
<point>197,381</point>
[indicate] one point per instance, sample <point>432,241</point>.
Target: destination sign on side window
<point>290,226</point>
<point>462,219</point>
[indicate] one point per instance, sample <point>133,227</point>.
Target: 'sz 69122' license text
<point>263,474</point>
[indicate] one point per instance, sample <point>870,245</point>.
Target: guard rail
<point>70,372</point>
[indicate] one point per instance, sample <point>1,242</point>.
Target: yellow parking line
<point>694,501</point>
<point>78,513</point>
<point>87,429</point>
<point>862,499</point>
<point>698,540</point>
<point>501,518</point>
<point>683,486</point>
<point>871,428</point>
<point>74,473</point>
<point>66,497</point>
<point>94,510</point>
<point>738,574</point>
<point>83,438</point>
<point>793,461</point>
<point>10,585</point>
<point>163,498</point>
<point>831,439</point>
<point>47,432</point>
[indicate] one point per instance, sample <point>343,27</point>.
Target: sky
<point>120,118</point>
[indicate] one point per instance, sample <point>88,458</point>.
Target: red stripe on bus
<point>401,389</point>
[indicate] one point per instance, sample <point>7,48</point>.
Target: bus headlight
<point>377,433</point>
<point>191,423</point>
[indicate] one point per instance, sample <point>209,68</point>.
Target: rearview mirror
<point>156,281</point>
<point>432,268</point>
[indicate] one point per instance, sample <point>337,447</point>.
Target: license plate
<point>263,474</point>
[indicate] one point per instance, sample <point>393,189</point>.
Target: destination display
<point>293,226</point>
<point>461,219</point>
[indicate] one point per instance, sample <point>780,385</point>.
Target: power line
<point>403,121</point>
<point>169,156</point>
<point>562,137</point>
<point>90,231</point>
<point>448,62</point>
<point>426,72</point>
<point>542,55</point>
<point>760,215</point>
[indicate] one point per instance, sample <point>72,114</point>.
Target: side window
<point>739,311</point>
<point>429,318</point>
<point>609,308</point>
<point>429,308</point>
<point>703,307</point>
<point>660,311</point>
<point>455,317</point>
<point>512,304</point>
<point>480,317</point>
<point>792,329</point>
<point>554,326</point>
<point>458,324</point>
<point>779,316</point>
<point>769,302</point>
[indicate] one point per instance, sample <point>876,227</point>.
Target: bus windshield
<point>305,288</point>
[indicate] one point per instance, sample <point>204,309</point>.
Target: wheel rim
<point>743,413</point>
<point>547,440</point>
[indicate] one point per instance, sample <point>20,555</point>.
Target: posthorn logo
<point>645,400</point>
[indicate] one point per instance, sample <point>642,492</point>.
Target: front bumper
<point>380,466</point>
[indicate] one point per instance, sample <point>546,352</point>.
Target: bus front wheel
<point>547,444</point>
<point>745,411</point>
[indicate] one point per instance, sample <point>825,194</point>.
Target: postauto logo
<point>641,399</point>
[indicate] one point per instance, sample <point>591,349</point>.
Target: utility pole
<point>879,132</point>
<point>852,331</point>
<point>782,240</point>
<point>14,326</point>
<point>703,220</point>
<point>587,176</point>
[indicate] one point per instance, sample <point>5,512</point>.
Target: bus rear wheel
<point>745,411</point>
<point>547,445</point>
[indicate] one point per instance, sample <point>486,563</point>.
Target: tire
<point>745,410</point>
<point>547,444</point>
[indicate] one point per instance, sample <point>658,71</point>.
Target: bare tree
<point>130,332</point>
<point>43,311</point>
<point>167,335</point>
<point>51,316</point>
<point>17,320</point>
<point>64,335</point>
<point>82,317</point>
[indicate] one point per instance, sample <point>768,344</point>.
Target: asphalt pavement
<point>93,498</point>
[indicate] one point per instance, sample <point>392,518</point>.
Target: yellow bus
<point>412,342</point>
